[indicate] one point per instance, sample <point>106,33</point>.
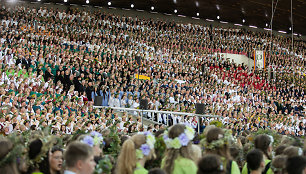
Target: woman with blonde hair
<point>218,142</point>
<point>178,159</point>
<point>134,153</point>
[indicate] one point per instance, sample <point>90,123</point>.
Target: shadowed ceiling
<point>255,12</point>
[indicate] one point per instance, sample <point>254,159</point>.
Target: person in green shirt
<point>217,142</point>
<point>178,159</point>
<point>10,71</point>
<point>134,153</point>
<point>264,143</point>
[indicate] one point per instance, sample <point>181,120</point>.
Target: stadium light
<point>198,14</point>
<point>87,1</point>
<point>218,17</point>
<point>109,3</point>
<point>38,0</point>
<point>65,0</point>
<point>242,10</point>
<point>266,24</point>
<point>175,11</point>
<point>290,28</point>
<point>218,7</point>
<point>243,20</point>
<point>152,8</point>
<point>132,5</point>
<point>197,3</point>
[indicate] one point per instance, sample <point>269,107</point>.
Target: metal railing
<point>143,112</point>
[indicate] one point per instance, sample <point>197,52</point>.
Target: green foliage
<point>160,149</point>
<point>216,123</point>
<point>227,139</point>
<point>104,166</point>
<point>15,152</point>
<point>109,122</point>
<point>114,148</point>
<point>77,134</point>
<point>276,136</point>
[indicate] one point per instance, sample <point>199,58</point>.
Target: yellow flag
<point>142,77</point>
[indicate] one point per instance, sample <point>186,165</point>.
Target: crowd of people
<point>55,63</point>
<point>178,150</point>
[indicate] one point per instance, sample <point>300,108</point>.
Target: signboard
<point>259,60</point>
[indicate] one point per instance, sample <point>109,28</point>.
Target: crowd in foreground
<point>54,63</point>
<point>177,150</point>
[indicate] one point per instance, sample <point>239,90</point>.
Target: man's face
<point>88,165</point>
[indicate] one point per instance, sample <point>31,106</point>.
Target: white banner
<point>259,61</point>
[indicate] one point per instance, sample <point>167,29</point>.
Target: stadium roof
<point>253,12</point>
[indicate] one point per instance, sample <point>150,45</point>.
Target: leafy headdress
<point>14,153</point>
<point>225,139</point>
<point>38,146</point>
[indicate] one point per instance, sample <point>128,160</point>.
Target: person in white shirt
<point>171,98</point>
<point>111,101</point>
<point>123,101</point>
<point>116,101</point>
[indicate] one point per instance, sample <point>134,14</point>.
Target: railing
<point>141,112</point>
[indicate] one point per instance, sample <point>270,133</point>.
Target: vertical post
<point>292,26</point>
<point>301,75</point>
<point>302,78</point>
<point>271,24</point>
<point>269,74</point>
<point>199,124</point>
<point>53,99</point>
<point>142,119</point>
<point>138,84</point>
<point>249,60</point>
<point>167,120</point>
